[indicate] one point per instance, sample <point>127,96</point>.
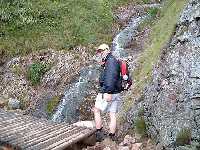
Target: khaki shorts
<point>112,106</point>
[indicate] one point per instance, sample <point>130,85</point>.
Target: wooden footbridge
<point>30,133</point>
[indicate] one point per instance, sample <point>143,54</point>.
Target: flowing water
<point>73,96</point>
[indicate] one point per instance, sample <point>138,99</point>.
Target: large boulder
<point>171,102</point>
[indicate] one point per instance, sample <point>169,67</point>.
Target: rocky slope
<point>34,99</point>
<point>171,102</point>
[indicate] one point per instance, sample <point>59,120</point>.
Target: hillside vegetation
<point>27,25</point>
<point>162,30</point>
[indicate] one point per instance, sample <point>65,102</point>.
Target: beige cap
<point>103,47</point>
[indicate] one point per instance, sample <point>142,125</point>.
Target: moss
<point>140,126</point>
<point>52,104</point>
<point>183,137</point>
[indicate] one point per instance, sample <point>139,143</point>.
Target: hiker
<point>108,98</point>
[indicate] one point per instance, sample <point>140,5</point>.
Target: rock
<point>13,103</point>
<point>88,124</point>
<point>159,147</point>
<point>136,146</point>
<point>91,140</point>
<point>107,148</point>
<point>128,140</point>
<point>3,102</point>
<point>190,18</point>
<point>108,143</point>
<point>123,148</point>
<point>5,148</point>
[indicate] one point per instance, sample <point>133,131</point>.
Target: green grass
<point>27,26</point>
<point>162,30</point>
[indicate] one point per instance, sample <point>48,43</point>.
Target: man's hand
<point>107,97</point>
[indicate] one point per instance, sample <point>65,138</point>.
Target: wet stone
<point>13,103</point>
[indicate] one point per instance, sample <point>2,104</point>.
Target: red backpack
<point>126,79</point>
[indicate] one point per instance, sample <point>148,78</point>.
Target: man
<point>110,88</point>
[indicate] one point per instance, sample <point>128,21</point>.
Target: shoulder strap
<point>123,68</point>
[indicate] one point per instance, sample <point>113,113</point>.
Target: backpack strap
<point>123,68</point>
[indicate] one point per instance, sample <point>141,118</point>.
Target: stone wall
<point>171,102</point>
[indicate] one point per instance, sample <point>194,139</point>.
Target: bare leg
<point>97,118</point>
<point>113,122</point>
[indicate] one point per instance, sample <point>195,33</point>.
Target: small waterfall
<point>73,96</point>
<point>126,36</point>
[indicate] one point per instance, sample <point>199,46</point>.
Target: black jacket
<point>110,80</point>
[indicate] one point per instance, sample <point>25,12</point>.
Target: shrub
<point>36,71</point>
<point>140,126</point>
<point>183,137</point>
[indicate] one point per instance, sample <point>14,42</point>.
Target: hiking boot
<point>99,135</point>
<point>112,136</point>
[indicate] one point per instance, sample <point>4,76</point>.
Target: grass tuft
<point>183,137</point>
<point>153,12</point>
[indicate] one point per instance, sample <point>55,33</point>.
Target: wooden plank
<point>14,131</point>
<point>20,131</point>
<point>47,136</point>
<point>56,138</point>
<point>14,125</point>
<point>64,142</point>
<point>36,134</point>
<point>73,140</point>
<point>11,115</point>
